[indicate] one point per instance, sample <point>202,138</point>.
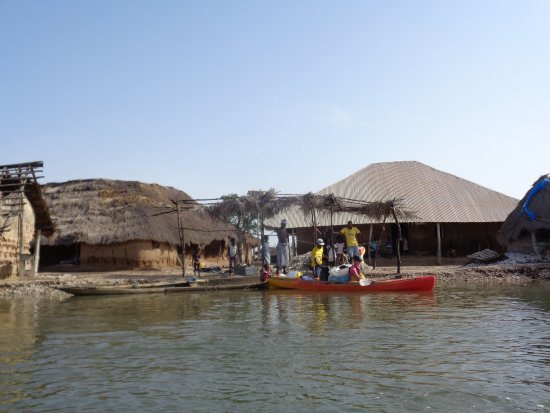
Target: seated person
<point>354,272</point>
<point>266,273</point>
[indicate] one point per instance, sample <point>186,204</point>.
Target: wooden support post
<point>314,226</point>
<point>397,247</point>
<point>262,234</point>
<point>331,231</point>
<point>182,238</point>
<point>368,245</point>
<point>379,242</point>
<point>36,251</point>
<point>438,243</point>
<point>20,235</point>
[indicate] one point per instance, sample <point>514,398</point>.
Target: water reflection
<point>315,310</point>
<point>457,349</point>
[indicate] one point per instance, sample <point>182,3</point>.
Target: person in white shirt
<point>232,254</point>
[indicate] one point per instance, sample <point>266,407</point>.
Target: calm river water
<point>459,349</point>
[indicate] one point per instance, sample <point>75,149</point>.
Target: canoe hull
<point>424,283</point>
<point>150,290</point>
<point>254,286</point>
<point>110,290</point>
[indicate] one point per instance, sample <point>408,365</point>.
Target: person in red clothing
<point>354,271</point>
<point>353,274</point>
<point>266,273</point>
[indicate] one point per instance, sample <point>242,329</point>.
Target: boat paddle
<point>364,282</point>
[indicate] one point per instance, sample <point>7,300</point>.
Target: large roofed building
<point>452,213</point>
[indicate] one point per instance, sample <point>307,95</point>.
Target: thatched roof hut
<point>102,211</point>
<point>531,217</point>
<point>107,213</point>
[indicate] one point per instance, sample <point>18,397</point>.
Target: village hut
<point>527,227</point>
<point>110,224</point>
<point>24,217</point>
<point>451,215</point>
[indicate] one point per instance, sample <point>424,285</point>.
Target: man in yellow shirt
<point>352,246</point>
<point>317,258</point>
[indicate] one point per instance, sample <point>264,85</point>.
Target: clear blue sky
<point>217,97</point>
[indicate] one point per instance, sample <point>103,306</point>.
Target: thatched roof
<point>327,205</point>
<point>102,211</point>
<point>432,195</point>
<point>531,213</point>
<point>263,205</point>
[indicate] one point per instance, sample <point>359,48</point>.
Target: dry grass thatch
<point>535,202</point>
<point>258,205</point>
<point>265,205</point>
<point>101,211</point>
<point>330,204</point>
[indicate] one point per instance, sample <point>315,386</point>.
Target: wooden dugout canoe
<point>120,289</point>
<point>219,287</point>
<point>423,283</point>
<point>172,288</point>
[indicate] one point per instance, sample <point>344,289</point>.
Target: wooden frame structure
<point>17,182</point>
<point>266,204</point>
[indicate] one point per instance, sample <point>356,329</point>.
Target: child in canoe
<point>266,273</point>
<point>354,272</point>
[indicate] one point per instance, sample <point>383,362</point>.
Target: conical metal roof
<point>434,195</point>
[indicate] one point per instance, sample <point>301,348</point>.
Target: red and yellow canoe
<point>423,283</point>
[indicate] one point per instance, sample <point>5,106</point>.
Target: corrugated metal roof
<point>435,196</point>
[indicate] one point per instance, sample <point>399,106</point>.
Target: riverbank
<point>515,269</point>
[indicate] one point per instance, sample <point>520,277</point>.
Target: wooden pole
<point>331,230</point>
<point>438,243</point>
<point>379,243</point>
<point>262,235</point>
<point>314,226</point>
<point>182,238</point>
<point>37,250</point>
<point>242,243</point>
<point>397,247</point>
<point>20,235</point>
<point>368,245</point>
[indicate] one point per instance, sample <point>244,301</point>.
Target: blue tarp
<point>536,189</point>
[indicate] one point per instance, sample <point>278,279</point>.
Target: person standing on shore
<point>282,247</point>
<point>197,260</point>
<point>352,246</point>
<point>232,254</point>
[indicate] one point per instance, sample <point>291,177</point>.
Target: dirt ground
<point>514,269</point>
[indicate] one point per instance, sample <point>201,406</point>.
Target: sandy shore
<point>515,269</point>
